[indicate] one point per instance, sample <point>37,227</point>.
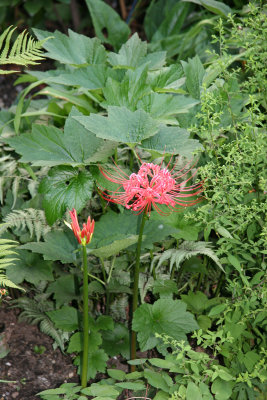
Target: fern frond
<point>34,313</point>
<point>31,219</point>
<point>47,327</point>
<point>6,282</point>
<point>24,51</point>
<point>186,250</point>
<point>7,247</point>
<point>118,308</point>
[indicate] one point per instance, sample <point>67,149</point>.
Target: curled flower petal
<point>151,186</point>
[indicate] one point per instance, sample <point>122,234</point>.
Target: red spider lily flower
<point>83,236</point>
<point>151,186</point>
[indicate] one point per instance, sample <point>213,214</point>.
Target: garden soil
<point>30,372</point>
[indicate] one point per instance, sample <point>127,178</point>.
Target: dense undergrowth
<point>194,92</point>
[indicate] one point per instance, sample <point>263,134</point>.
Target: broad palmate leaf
<point>172,140</point>
<point>63,48</point>
<point>49,146</point>
<point>130,54</point>
<point>164,316</point>
<point>121,125</point>
<point>58,246</point>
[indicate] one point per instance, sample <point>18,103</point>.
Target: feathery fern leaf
<point>7,247</point>
<point>24,51</point>
<point>35,313</point>
<point>186,250</point>
<point>30,218</point>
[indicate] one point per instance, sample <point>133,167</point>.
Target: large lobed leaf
<point>121,125</point>
<point>164,316</point>
<point>49,146</point>
<point>63,48</point>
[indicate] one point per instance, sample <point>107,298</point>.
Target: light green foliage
<point>184,252</point>
<point>58,245</point>
<point>29,219</point>
<point>121,125</point>
<point>48,146</point>
<point>63,48</point>
<point>29,267</point>
<point>24,51</point>
<point>201,271</point>
<point>34,312</point>
<point>8,256</point>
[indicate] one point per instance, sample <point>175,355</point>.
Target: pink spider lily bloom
<point>151,186</point>
<point>83,236</point>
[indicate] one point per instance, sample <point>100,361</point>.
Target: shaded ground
<point>8,92</point>
<point>31,372</point>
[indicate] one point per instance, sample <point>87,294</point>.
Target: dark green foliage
<point>202,290</point>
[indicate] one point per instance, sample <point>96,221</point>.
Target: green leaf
<point>172,140</point>
<point>104,322</point>
<point>115,247</point>
<point>234,261</point>
<point>96,287</point>
<point>63,289</point>
<point>161,396</point>
<point>204,322</point>
<point>63,188</point>
<point>117,374</point>
<point>221,389</point>
<point>98,389</point>
<point>130,54</point>
<point>216,7</point>
<point>97,362</point>
<point>224,232</point>
<point>193,392</point>
<point>167,79</point>
<point>65,318</point>
<point>164,18</point>
<point>164,107</point>
<point>164,316</point>
<point>183,229</point>
<point>91,77</point>
<point>165,288</point>
<point>28,266</point>
<point>76,342</point>
<point>104,17</point>
<point>117,341</point>
<point>161,363</point>
<point>121,125</point>
<point>217,310</point>
<point>53,392</point>
<point>131,385</point>
<point>58,246</point>
<point>48,146</point>
<point>115,227</point>
<point>194,72</point>
<point>159,380</point>
<point>128,91</point>
<point>196,302</point>
<point>250,359</point>
<point>63,48</point>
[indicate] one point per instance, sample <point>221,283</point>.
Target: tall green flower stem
<point>85,319</point>
<point>136,284</point>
